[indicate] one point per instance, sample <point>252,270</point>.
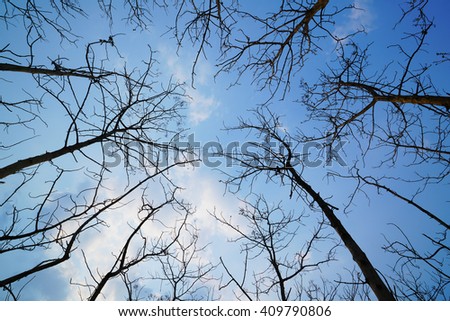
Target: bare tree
<point>283,166</point>
<point>186,275</point>
<point>396,115</point>
<point>399,117</point>
<point>274,50</point>
<point>105,114</point>
<point>281,250</point>
<point>421,274</point>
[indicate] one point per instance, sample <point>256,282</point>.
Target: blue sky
<point>213,104</point>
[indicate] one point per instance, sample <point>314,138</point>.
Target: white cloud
<point>200,107</point>
<point>102,245</point>
<point>359,18</point>
<point>201,102</point>
<point>203,74</point>
<point>203,189</point>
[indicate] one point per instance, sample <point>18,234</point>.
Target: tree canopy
<point>335,178</point>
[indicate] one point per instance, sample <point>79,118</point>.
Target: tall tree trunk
<point>48,156</point>
<point>375,282</point>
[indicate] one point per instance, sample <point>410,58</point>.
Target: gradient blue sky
<point>213,103</point>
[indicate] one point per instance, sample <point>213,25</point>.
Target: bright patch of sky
<point>211,104</point>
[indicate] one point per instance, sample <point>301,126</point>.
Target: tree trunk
<point>48,156</point>
<point>375,282</point>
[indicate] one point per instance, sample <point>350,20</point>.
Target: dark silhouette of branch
<point>52,72</point>
<point>255,164</point>
<point>270,236</point>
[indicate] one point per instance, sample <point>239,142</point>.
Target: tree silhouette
<point>272,233</point>
<point>285,168</point>
<point>396,116</point>
<point>387,100</point>
<point>106,113</point>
